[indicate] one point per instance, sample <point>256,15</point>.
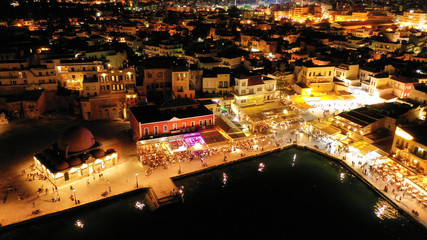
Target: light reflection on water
<point>383,210</point>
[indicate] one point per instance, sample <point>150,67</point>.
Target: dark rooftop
<point>152,113</point>
<point>418,132</point>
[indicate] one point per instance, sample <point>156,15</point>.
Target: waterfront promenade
<point>130,175</point>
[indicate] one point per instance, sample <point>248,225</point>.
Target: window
<point>210,121</point>
<point>193,123</point>
<point>201,122</point>
<point>149,75</point>
<point>165,128</point>
<point>146,131</point>
<point>175,126</point>
<point>156,130</point>
<point>243,84</point>
<point>184,125</point>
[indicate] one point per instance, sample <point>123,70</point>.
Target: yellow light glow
<point>403,134</point>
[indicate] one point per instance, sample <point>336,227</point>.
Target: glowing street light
<point>136,178</point>
<point>75,196</point>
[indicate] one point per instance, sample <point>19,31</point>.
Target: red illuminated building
<point>175,116</point>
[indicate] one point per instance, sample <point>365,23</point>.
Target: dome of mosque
<point>76,139</point>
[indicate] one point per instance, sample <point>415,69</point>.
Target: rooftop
<point>152,113</point>
<point>416,131</point>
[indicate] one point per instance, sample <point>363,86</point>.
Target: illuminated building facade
<point>249,90</point>
<point>216,80</point>
<point>75,155</point>
<point>410,147</point>
<point>108,94</point>
<point>181,115</point>
<point>181,87</point>
<point>71,74</point>
<point>318,78</point>
<point>416,19</point>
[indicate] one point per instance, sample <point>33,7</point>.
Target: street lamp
<point>136,178</point>
<point>75,196</point>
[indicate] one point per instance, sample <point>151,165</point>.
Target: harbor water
<point>293,194</point>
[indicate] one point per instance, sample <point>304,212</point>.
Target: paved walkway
<point>125,177</point>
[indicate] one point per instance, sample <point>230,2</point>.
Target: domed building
<point>75,155</point>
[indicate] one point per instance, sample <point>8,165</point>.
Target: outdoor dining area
<point>414,185</point>
<point>166,150</point>
<point>417,186</point>
<point>391,171</point>
<point>154,154</point>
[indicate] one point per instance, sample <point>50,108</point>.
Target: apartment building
<point>157,78</point>
<point>17,76</point>
<point>385,46</point>
<point>318,78</point>
<point>216,81</point>
<point>419,93</point>
<point>181,86</point>
<point>108,94</point>
<point>410,147</point>
<point>72,73</point>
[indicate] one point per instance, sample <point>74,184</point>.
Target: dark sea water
<point>270,197</point>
